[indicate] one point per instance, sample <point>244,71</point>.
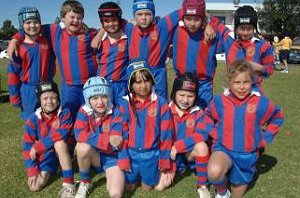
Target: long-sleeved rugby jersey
<point>35,63</point>
<point>113,59</point>
<point>244,125</point>
<point>76,59</point>
<point>153,43</point>
<point>42,135</point>
<point>261,52</point>
<point>191,53</point>
<point>150,128</point>
<point>96,134</point>
<point>189,128</point>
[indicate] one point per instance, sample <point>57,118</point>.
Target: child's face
<point>142,87</point>
<point>241,84</point>
<point>111,24</point>
<point>73,22</point>
<point>143,18</point>
<point>99,104</point>
<point>32,27</point>
<point>49,101</point>
<point>245,32</point>
<point>185,99</point>
<point>192,23</point>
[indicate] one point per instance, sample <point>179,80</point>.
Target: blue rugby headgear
<point>96,86</point>
<point>26,13</point>
<point>143,4</point>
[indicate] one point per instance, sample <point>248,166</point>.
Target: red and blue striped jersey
<point>41,135</point>
<point>152,44</point>
<point>76,59</point>
<point>189,128</point>
<point>151,127</point>
<point>244,125</point>
<point>191,53</point>
<point>113,59</point>
<point>96,134</point>
<point>35,63</point>
<point>259,51</point>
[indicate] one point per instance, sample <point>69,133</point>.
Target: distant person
<point>242,121</point>
<point>45,146</point>
<point>35,63</point>
<point>276,47</point>
<point>286,44</point>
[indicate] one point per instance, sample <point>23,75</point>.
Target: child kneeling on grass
<point>189,147</point>
<point>243,121</point>
<point>150,128</point>
<point>45,137</point>
<point>100,141</point>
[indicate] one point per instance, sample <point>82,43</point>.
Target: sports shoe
<point>203,192</point>
<point>83,190</point>
<point>67,191</point>
<point>285,71</point>
<point>227,195</point>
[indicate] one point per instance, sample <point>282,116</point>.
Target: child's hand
<point>173,153</point>
<point>12,48</point>
<point>115,140</point>
<point>209,33</point>
<point>33,153</point>
<point>32,181</point>
<point>97,40</point>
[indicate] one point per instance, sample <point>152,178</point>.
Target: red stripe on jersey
<point>202,58</point>
<point>250,119</point>
<point>150,129</point>
<point>64,48</point>
<point>154,46</point>
<point>228,123</point>
<point>104,58</point>
<point>82,58</point>
<point>134,47</point>
<point>182,43</point>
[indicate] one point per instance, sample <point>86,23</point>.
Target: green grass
<point>278,167</point>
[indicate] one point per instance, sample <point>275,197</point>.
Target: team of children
<point>121,117</point>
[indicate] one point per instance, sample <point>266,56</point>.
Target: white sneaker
<point>67,191</point>
<point>227,195</point>
<point>83,190</point>
<point>203,192</point>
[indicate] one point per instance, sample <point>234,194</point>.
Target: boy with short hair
<point>27,70</point>
<point>45,141</point>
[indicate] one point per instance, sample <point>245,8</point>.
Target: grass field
<point>279,169</point>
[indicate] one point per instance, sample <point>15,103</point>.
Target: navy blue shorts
<point>144,167</point>
<point>243,165</point>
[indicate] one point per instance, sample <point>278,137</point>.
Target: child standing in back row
<point>35,63</point>
<point>243,121</point>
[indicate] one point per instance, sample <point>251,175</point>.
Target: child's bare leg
<point>218,165</point>
<point>146,187</point>
<point>130,187</point>
<point>238,191</point>
<point>165,180</point>
<point>115,181</point>
<point>37,182</point>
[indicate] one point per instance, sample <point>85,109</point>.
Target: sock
<point>68,176</point>
<point>85,176</point>
<point>201,170</point>
<point>221,186</point>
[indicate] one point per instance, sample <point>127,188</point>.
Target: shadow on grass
<point>264,164</point>
<point>4,96</point>
<point>183,174</point>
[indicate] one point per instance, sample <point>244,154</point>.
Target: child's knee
<point>130,187</point>
<point>83,149</point>
<point>115,192</point>
<point>201,149</point>
<point>61,146</point>
<point>215,172</point>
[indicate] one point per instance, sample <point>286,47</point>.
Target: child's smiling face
<point>241,84</point>
<point>73,22</point>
